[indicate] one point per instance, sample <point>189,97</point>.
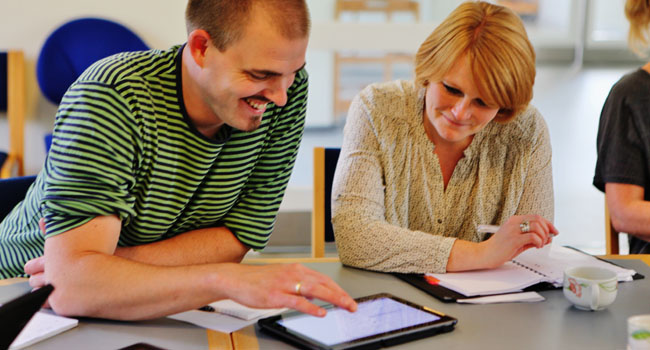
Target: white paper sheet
<point>222,321</point>
<point>525,297</point>
<point>42,326</point>
<point>233,308</point>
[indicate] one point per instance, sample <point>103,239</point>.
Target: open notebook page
<point>507,278</point>
<point>529,268</point>
<point>552,263</point>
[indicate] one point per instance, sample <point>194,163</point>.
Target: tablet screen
<point>375,316</point>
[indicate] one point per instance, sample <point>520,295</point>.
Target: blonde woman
<point>424,162</point>
<point>623,166</point>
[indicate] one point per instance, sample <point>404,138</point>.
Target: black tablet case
<point>266,326</point>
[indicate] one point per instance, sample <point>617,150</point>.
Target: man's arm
<point>629,211</point>
<point>91,281</point>
<point>202,246</point>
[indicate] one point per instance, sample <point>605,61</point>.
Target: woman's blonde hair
<point>497,47</point>
<point>638,14</point>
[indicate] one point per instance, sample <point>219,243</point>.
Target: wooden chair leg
<point>611,235</point>
<point>318,211</point>
<point>15,114</point>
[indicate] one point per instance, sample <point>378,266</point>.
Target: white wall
<point>25,24</point>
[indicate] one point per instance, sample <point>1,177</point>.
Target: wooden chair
<point>389,7</point>
<point>386,61</point>
<point>522,7</point>
<point>325,160</point>
<point>16,106</point>
<point>611,235</point>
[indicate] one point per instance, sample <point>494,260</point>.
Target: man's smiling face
<point>257,69</point>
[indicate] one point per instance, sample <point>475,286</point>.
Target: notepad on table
<point>529,268</point>
<point>233,308</point>
<point>228,316</point>
<point>42,326</point>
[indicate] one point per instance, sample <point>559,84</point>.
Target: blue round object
<point>74,46</point>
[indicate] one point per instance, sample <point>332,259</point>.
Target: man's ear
<point>198,42</point>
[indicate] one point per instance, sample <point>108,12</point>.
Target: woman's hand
<point>511,239</point>
<point>508,242</point>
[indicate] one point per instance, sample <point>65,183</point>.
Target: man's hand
<point>35,268</point>
<point>277,286</point>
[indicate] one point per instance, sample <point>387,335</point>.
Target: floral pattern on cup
<point>590,288</point>
<point>575,287</point>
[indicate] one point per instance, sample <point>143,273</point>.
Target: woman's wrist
<point>466,255</point>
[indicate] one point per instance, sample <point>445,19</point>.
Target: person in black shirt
<point>623,165</point>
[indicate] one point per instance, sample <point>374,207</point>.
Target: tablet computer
<point>380,320</point>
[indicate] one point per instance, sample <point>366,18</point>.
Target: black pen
<point>206,308</point>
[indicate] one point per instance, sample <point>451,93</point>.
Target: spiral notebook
<point>531,268</point>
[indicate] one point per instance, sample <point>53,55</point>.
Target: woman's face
<point>454,107</point>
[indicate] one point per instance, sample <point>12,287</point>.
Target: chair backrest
<point>389,7</point>
<point>611,235</point>
<point>325,160</point>
<point>13,191</point>
<point>74,46</point>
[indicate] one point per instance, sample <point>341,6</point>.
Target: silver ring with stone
<point>525,226</point>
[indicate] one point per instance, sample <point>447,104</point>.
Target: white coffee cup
<point>638,332</point>
<point>590,288</point>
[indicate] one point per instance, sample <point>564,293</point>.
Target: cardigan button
<point>440,221</point>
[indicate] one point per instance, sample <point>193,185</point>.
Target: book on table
<point>530,268</point>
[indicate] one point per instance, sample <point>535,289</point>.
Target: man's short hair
<point>225,20</point>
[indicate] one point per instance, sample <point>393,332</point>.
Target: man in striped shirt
<point>167,167</point>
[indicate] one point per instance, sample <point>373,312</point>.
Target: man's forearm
<point>90,280</point>
<point>629,211</point>
<point>202,246</point>
<point>105,286</point>
<point>634,219</point>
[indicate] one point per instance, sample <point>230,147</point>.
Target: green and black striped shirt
<point>124,145</point>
